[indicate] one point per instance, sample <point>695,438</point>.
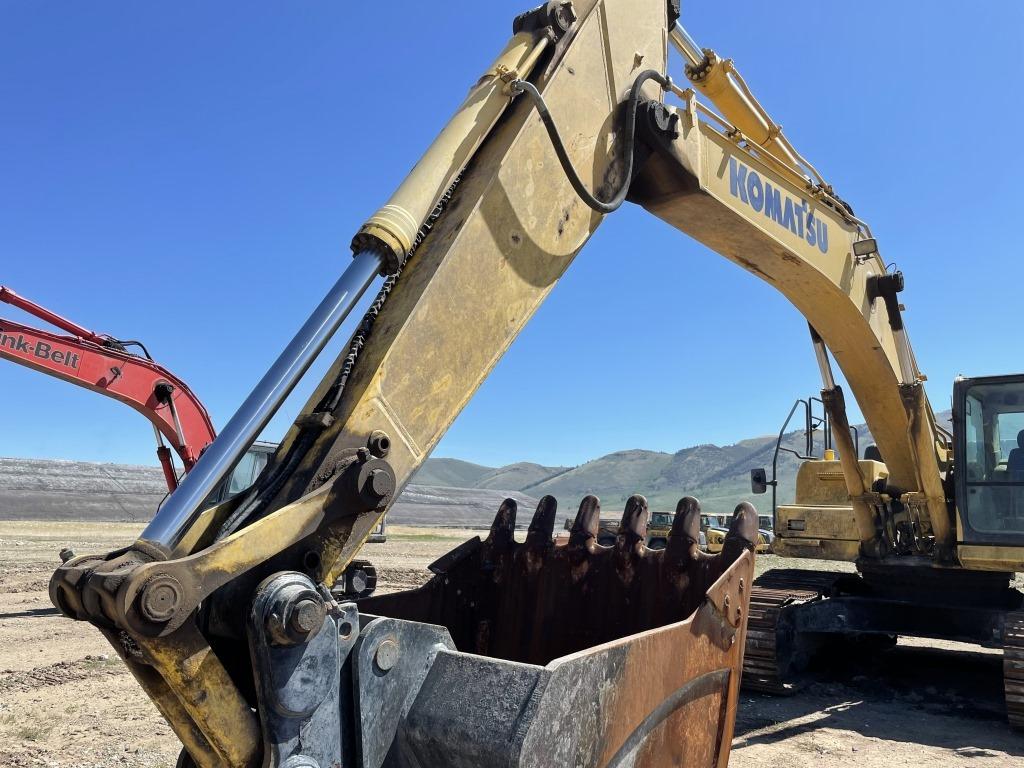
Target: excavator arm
<point>753,205</point>
<point>208,607</point>
<point>102,364</point>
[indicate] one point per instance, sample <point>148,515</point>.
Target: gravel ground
<point>67,702</point>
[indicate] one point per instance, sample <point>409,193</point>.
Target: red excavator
<point>102,363</point>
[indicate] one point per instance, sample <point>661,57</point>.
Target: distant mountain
<point>445,491</point>
<point>453,473</point>
<point>522,475</point>
<point>717,475</point>
<point>437,506</point>
<point>613,477</point>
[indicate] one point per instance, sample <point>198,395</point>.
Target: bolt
<point>161,598</point>
<point>308,616</point>
<point>357,581</point>
<point>386,655</point>
<point>379,443</point>
<point>741,586</point>
<point>380,483</point>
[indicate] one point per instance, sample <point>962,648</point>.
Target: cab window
<point>242,476</point>
<point>994,457</point>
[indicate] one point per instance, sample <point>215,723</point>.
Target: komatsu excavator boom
<point>514,653</point>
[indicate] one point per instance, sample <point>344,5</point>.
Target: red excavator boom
<point>103,364</point>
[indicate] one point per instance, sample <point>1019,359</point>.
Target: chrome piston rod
<point>182,507</point>
<point>685,44</point>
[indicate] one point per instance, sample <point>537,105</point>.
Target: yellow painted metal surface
<point>397,221</point>
<point>714,79</point>
<point>512,228</point>
<point>745,210</point>
<point>986,558</point>
<point>821,522</point>
<point>822,482</point>
<point>194,693</point>
<point>817,549</point>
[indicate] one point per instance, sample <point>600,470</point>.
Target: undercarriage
<point>797,615</point>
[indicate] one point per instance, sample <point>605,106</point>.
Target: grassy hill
<point>452,473</point>
<point>717,475</point>
<point>445,491</point>
<point>521,476</point>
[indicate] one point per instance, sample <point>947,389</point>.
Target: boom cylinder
<point>183,506</point>
<point>714,77</point>
<point>392,229</point>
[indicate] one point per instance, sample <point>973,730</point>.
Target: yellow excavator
<point>514,653</point>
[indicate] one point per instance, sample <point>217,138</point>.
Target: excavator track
<point>1013,668</point>
<point>764,662</point>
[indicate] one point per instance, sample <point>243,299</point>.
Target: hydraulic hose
<point>629,137</point>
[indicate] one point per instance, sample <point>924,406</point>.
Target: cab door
<point>988,429</point>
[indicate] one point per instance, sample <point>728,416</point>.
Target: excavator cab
<point>245,472</point>
<point>988,419</point>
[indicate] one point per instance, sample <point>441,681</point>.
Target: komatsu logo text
<point>41,350</point>
<point>751,189</point>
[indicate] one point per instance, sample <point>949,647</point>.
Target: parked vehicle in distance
<point>715,538</point>
<point>713,528</point>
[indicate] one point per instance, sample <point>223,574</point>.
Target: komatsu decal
<point>747,186</point>
<point>26,348</point>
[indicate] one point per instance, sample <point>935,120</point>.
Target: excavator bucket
<point>523,654</point>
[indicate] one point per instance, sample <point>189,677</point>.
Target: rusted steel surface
<point>580,655</point>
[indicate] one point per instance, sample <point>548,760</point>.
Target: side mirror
<point>758,480</point>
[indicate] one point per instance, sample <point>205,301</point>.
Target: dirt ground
<point>67,702</point>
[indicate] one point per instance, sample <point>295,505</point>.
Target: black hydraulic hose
<point>133,343</point>
<point>260,496</point>
<point>629,135</point>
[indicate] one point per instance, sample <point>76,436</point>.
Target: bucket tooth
<point>629,595</point>
<point>742,529</point>
<point>503,528</point>
<point>684,538</point>
<point>542,526</point>
<point>587,522</point>
<point>633,528</point>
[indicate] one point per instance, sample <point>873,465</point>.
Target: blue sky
<point>191,173</point>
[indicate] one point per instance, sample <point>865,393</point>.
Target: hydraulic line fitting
<point>391,231</point>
